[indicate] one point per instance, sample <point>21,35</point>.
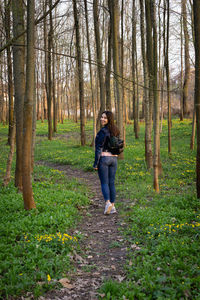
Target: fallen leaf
<point>66,283</point>
<point>102,295</point>
<point>113,267</point>
<point>120,278</point>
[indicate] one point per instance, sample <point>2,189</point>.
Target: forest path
<point>103,249</point>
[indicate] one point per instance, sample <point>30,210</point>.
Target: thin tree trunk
<point>156,102</point>
<point>80,74</point>
<point>192,141</point>
<point>10,73</point>
<point>145,93</point>
<point>168,82</point>
<point>19,84</point>
<point>49,82</point>
<point>28,109</point>
<point>187,62</point>
<point>181,79</point>
<point>108,66</point>
<point>149,156</point>
<point>115,32</point>
<point>99,60</point>
<point>91,74</point>
<point>134,69</point>
<point>196,11</point>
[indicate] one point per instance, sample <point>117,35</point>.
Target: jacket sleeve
<point>99,143</point>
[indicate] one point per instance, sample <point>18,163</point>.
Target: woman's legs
<point>107,170</point>
<point>111,176</point>
<point>103,176</point>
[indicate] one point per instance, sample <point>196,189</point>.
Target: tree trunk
<point>156,101</point>
<point>187,62</point>
<point>192,141</point>
<point>91,74</point>
<point>115,33</point>
<point>19,84</point>
<point>149,157</point>
<point>196,11</point>
<point>135,115</point>
<point>99,60</point>
<point>80,74</point>
<point>181,75</point>
<point>168,82</point>
<point>49,82</point>
<point>108,65</point>
<point>28,108</point>
<point>10,73</point>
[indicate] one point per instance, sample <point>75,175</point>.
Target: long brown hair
<point>111,124</point>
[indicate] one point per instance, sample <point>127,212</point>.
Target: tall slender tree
<point>116,67</point>
<point>196,10</point>
<point>19,82</point>
<point>149,46</point>
<point>28,108</point>
<point>99,59</point>
<point>10,71</point>
<point>187,61</point>
<point>80,73</point>
<point>168,80</point>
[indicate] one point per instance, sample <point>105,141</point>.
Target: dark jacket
<point>100,144</point>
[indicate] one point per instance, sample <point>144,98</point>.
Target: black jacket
<point>100,144</point>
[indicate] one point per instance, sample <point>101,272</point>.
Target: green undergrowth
<point>36,245</point>
<point>162,229</point>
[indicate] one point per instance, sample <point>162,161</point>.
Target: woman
<point>105,162</point>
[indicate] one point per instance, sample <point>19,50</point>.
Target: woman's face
<point>104,119</point>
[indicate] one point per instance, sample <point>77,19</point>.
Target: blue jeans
<point>107,169</point>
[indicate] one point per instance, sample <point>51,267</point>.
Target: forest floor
<point>103,249</point>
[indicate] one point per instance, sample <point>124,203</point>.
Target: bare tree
<point>28,109</point>
<point>10,72</point>
<point>99,59</point>
<point>19,83</point>
<point>196,10</point>
<point>80,73</point>
<point>187,61</point>
<point>149,157</point>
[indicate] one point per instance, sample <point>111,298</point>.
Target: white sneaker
<point>108,208</point>
<point>113,210</point>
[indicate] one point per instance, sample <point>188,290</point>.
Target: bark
<point>135,115</point>
<point>168,82</point>
<point>149,156</point>
<point>80,74</point>
<point>187,62</point>
<point>10,72</point>
<point>196,11</point>
<point>28,109</point>
<point>49,80</point>
<point>192,140</point>
<point>99,60</point>
<point>181,79</point>
<point>91,74</point>
<point>156,102</point>
<point>108,66</point>
<point>19,84</point>
<point>115,33</point>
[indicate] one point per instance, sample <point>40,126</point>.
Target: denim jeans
<point>107,169</point>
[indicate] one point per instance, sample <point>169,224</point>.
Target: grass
<point>163,229</point>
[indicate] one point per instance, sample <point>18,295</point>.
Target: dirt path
<point>103,249</point>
